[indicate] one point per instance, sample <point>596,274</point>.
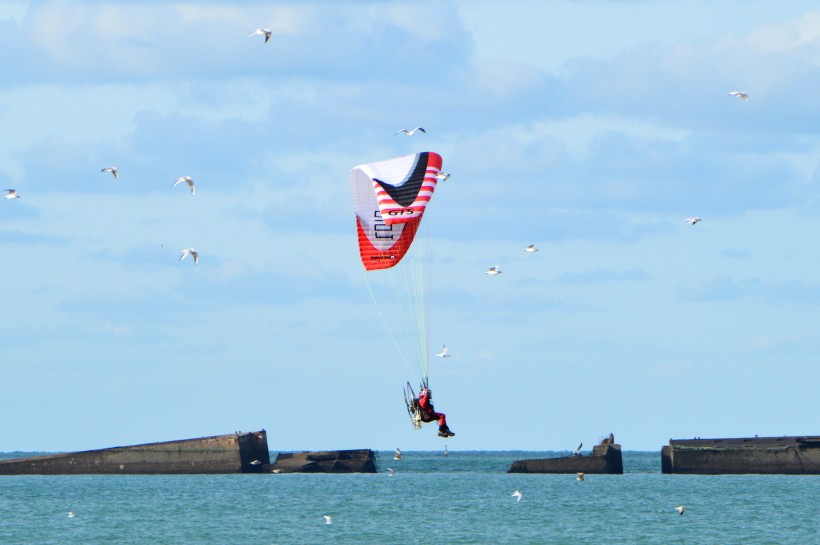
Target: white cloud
<point>801,34</point>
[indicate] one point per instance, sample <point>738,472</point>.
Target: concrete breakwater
<point>332,461</point>
<point>231,453</point>
<point>605,458</point>
<point>797,455</point>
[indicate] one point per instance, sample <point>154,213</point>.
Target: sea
<point>461,498</point>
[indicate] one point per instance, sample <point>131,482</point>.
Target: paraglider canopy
<point>390,198</point>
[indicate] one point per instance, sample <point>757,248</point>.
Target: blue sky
<point>591,128</point>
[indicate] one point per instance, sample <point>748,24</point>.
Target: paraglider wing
<point>390,198</point>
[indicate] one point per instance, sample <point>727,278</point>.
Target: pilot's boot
<point>444,431</point>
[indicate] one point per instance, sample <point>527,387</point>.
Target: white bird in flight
<point>193,253</point>
<point>112,170</point>
<point>740,94</point>
<point>445,352</point>
<point>328,519</point>
<point>680,509</point>
<point>441,176</point>
<point>410,132</point>
<point>517,495</point>
<point>262,32</point>
<point>12,194</point>
<point>188,180</point>
<point>390,471</point>
<point>531,248</point>
<point>71,514</point>
<point>492,271</point>
<point>693,220</point>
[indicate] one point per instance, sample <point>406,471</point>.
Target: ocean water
<point>465,497</point>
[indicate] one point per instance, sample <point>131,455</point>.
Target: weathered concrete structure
<point>233,453</point>
<point>333,461</point>
<point>762,455</point>
<point>605,458</point>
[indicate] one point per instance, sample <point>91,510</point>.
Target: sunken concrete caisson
<point>232,453</point>
<point>330,461</point>
<point>752,455</point>
<point>605,458</point>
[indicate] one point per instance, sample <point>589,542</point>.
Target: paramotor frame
<point>412,403</point>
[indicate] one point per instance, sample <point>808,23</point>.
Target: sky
<point>591,128</point>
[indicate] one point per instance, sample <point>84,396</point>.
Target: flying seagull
<point>328,519</point>
<point>445,353</point>
<point>680,509</point>
<point>410,132</point>
<point>262,32</point>
<point>692,221</point>
<point>191,252</point>
<point>531,248</point>
<point>492,271</point>
<point>390,471</point>
<point>441,176</point>
<point>740,94</point>
<point>518,495</point>
<point>112,170</point>
<point>71,514</point>
<point>12,194</point>
<point>577,452</point>
<point>187,180</point>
